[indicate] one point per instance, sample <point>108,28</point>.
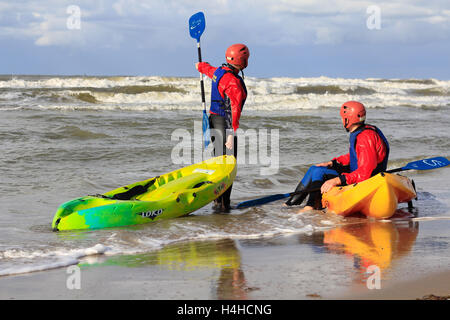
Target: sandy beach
<point>294,267</point>
<point>432,287</point>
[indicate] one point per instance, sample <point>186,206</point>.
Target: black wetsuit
<point>219,133</point>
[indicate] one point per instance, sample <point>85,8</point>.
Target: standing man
<point>228,94</point>
<point>368,156</point>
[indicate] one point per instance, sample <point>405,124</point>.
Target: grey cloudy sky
<point>293,38</point>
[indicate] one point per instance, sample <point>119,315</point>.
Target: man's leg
<point>313,179</point>
<point>218,138</point>
<point>227,194</point>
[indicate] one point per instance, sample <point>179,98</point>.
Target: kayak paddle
<point>425,164</point>
<point>196,28</point>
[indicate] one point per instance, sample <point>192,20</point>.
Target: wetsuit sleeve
<point>341,164</point>
<point>343,160</point>
<point>366,151</point>
<point>206,69</point>
<point>235,92</point>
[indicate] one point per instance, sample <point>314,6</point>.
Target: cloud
<point>45,24</point>
<point>342,21</point>
<point>162,23</point>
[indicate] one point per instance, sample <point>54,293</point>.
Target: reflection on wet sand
<point>372,243</point>
<point>222,255</point>
<point>366,243</point>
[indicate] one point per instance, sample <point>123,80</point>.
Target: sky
<point>286,38</point>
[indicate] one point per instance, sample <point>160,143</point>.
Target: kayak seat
<point>198,185</point>
<point>133,192</point>
<point>177,185</point>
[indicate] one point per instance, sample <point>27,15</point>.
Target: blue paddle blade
<point>427,164</point>
<point>206,132</point>
<point>197,25</point>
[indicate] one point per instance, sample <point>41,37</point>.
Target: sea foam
<point>165,93</point>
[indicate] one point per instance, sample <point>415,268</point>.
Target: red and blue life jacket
<point>353,156</point>
<point>221,106</point>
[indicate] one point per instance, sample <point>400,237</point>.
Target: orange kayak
<point>377,197</point>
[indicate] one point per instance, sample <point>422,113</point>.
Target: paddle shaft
<point>304,191</point>
<point>272,198</point>
<point>397,170</point>
<point>202,85</point>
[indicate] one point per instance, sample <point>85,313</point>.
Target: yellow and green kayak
<point>171,195</point>
<point>377,197</point>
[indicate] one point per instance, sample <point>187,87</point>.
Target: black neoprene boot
<point>222,204</point>
<point>297,199</point>
<point>226,200</point>
<point>315,197</point>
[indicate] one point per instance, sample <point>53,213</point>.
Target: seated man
<point>368,155</point>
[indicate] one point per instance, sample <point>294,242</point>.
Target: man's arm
<point>205,68</point>
<point>237,95</point>
<point>367,157</point>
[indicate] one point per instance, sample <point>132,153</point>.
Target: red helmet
<point>352,112</point>
<point>237,55</point>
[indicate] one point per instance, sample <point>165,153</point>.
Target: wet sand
<point>432,287</point>
<point>413,260</point>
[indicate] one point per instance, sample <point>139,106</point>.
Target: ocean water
<point>66,137</point>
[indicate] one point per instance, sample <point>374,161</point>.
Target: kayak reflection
<point>373,243</point>
<point>221,255</point>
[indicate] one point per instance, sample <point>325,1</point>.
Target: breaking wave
<point>169,93</point>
